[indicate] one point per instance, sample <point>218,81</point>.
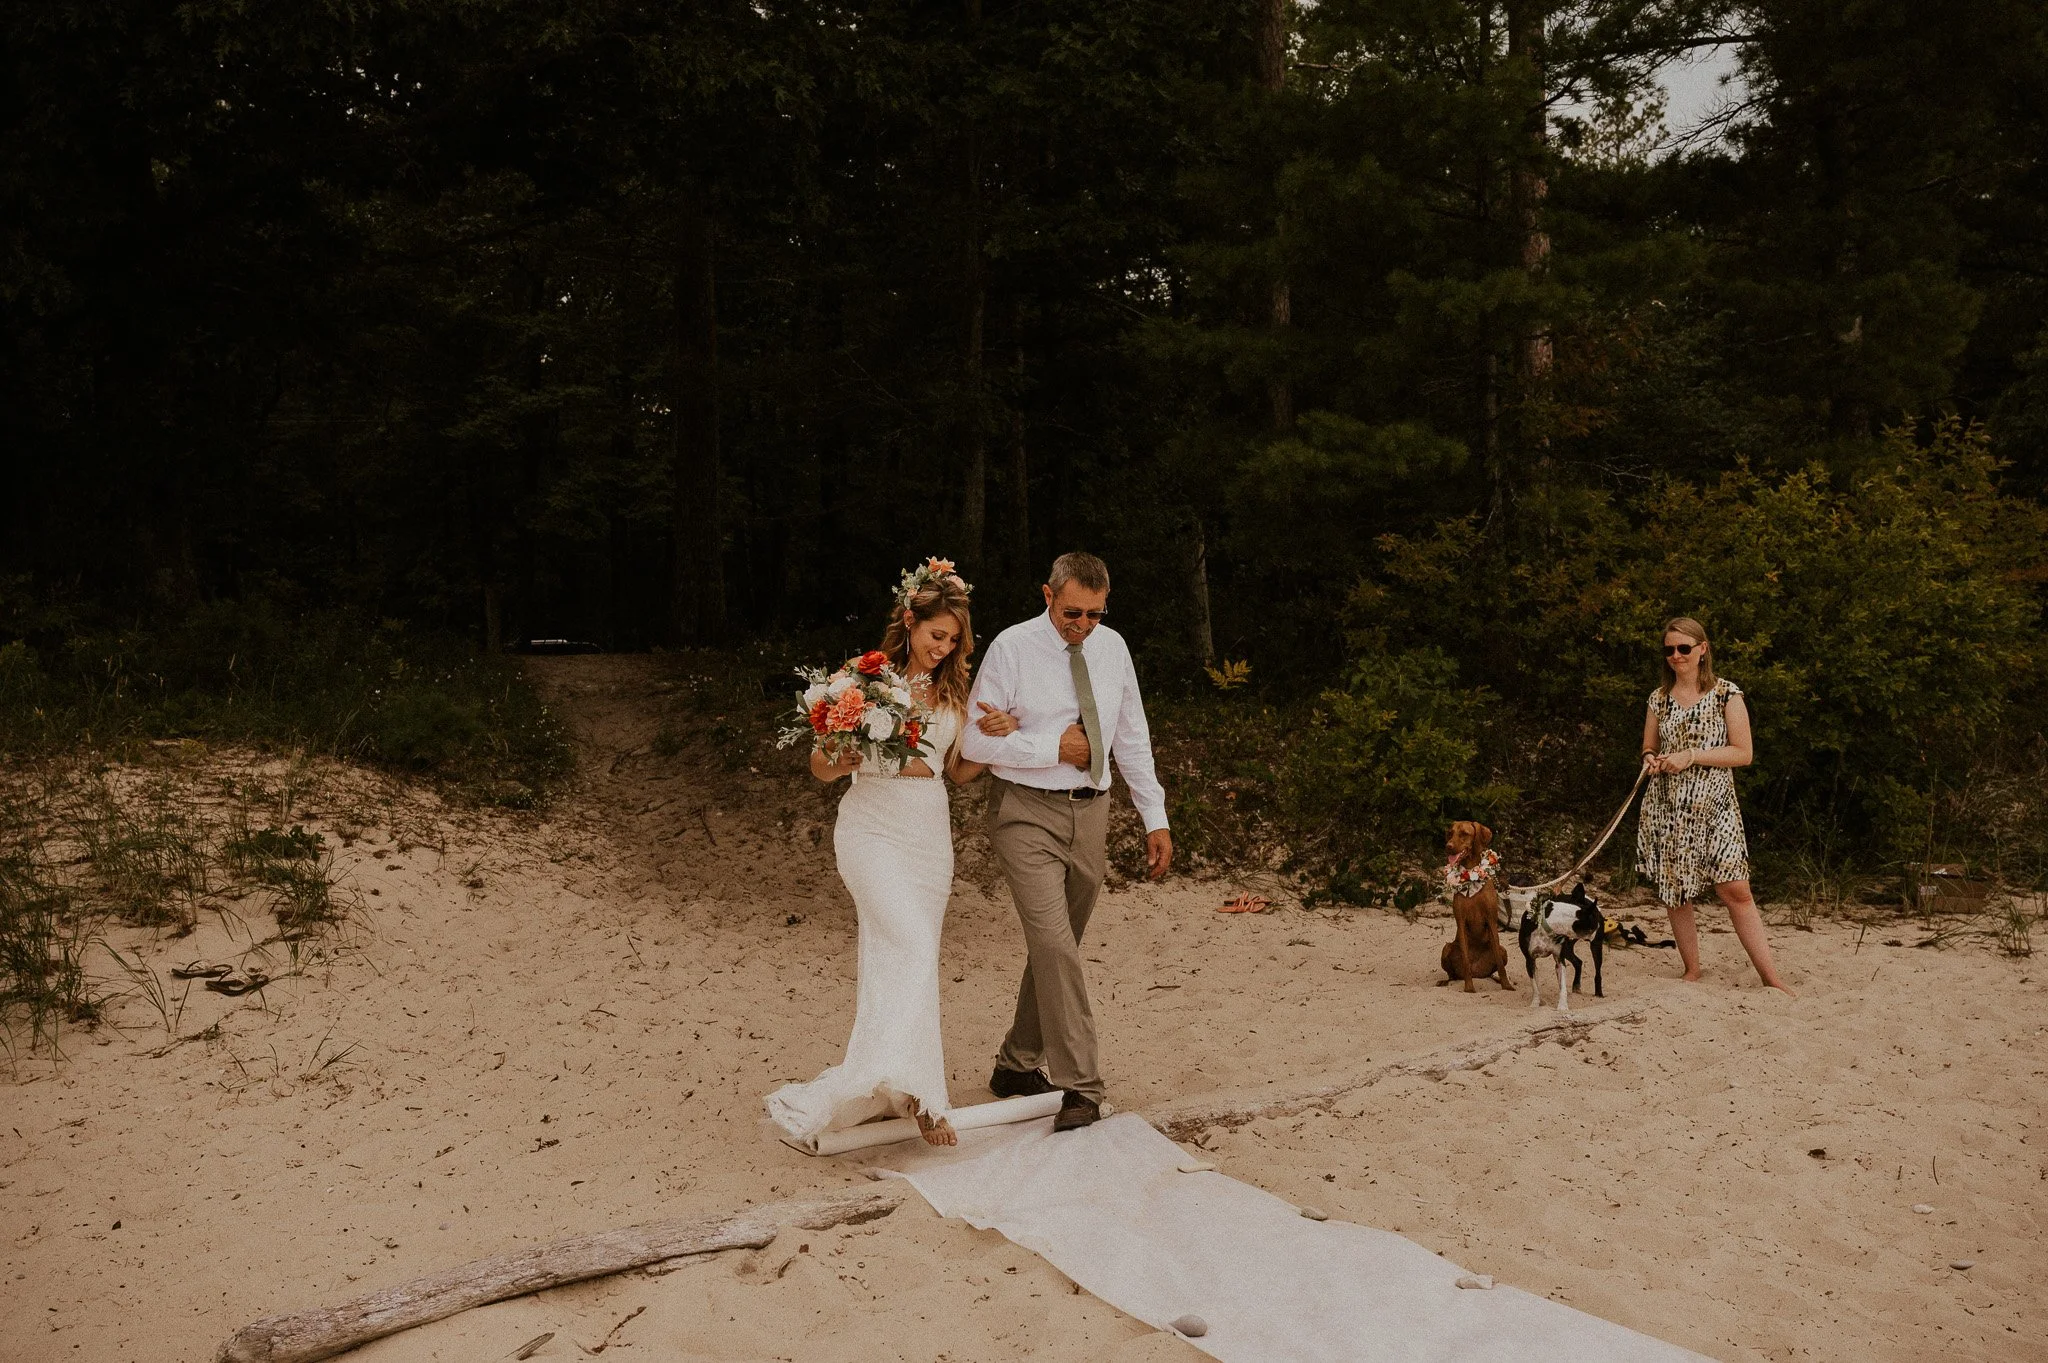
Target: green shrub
<point>334,682</point>
<point>1219,755</point>
<point>424,729</point>
<point>1385,762</point>
<point>1884,631</point>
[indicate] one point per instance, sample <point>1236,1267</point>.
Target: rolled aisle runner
<point>999,1113</point>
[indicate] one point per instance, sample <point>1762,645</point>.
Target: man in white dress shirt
<point>1071,687</point>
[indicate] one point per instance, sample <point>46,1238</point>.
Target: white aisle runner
<point>1107,1206</point>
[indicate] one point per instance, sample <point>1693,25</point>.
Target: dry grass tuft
<point>86,847</point>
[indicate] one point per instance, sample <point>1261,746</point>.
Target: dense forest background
<point>1393,348</point>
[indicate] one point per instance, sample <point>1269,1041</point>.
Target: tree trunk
<point>622,623</point>
<point>697,596</point>
<point>1489,404</point>
<point>538,433</point>
<point>1271,37</point>
<point>1489,341</point>
<point>1016,478</point>
<point>1199,634</point>
<point>973,438</point>
<point>480,517</point>
<point>1020,476</point>
<point>830,452</point>
<point>973,458</point>
<point>1279,391</point>
<point>1849,414</point>
<point>1527,185</point>
<point>494,619</point>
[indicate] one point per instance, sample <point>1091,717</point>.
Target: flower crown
<point>934,571</point>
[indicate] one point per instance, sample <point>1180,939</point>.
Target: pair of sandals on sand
<point>222,979</point>
<point>1631,934</point>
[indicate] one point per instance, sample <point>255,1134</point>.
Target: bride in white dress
<point>894,841</point>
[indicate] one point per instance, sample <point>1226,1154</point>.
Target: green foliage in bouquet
<point>866,707</point>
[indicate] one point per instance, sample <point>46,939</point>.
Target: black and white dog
<point>1554,928</point>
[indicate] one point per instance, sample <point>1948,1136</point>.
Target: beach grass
<point>88,847</point>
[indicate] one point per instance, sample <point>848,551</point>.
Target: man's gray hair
<point>1086,569</point>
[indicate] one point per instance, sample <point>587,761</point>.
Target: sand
<point>545,1025</point>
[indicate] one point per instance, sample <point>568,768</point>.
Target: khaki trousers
<point>1054,853</point>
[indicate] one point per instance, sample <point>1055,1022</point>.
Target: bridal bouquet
<point>864,707</point>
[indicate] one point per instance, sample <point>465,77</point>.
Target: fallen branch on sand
<point>1181,1121</point>
<point>305,1336</point>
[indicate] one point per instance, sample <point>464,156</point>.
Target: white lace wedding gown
<point>894,840</point>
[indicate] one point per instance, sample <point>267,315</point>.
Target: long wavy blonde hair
<point>1697,632</point>
<point>941,596</point>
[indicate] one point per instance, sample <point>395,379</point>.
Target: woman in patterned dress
<point>1689,837</point>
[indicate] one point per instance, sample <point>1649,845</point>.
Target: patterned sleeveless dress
<point>1689,836</point>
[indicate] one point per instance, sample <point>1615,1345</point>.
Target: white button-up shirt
<point>1028,673</point>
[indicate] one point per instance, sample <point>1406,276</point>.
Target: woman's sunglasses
<point>1075,613</point>
<point>1682,650</point>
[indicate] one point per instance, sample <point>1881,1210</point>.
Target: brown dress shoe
<point>1076,1112</point>
<point>1009,1083</point>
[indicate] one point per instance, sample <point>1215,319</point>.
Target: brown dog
<point>1475,953</point>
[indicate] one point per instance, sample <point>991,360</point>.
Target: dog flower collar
<point>1458,878</point>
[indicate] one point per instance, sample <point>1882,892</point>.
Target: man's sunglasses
<point>1682,650</point>
<point>1075,613</point>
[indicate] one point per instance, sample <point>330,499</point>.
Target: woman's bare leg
<point>1685,931</point>
<point>1749,929</point>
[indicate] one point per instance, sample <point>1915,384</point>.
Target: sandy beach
<point>536,1026</point>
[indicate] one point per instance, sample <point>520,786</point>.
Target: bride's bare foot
<point>1691,977</point>
<point>935,1130</point>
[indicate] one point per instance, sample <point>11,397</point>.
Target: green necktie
<point>1091,723</point>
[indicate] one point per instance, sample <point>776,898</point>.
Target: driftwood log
<point>1182,1121</point>
<point>304,1336</point>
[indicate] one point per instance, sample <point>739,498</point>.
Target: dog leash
<point>1582,863</point>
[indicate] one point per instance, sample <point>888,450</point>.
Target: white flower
<point>813,694</point>
<point>838,687</point>
<point>900,695</point>
<point>879,724</point>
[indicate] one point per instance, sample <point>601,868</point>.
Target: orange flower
<point>821,717</point>
<point>940,566</point>
<point>847,710</point>
<point>871,663</point>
